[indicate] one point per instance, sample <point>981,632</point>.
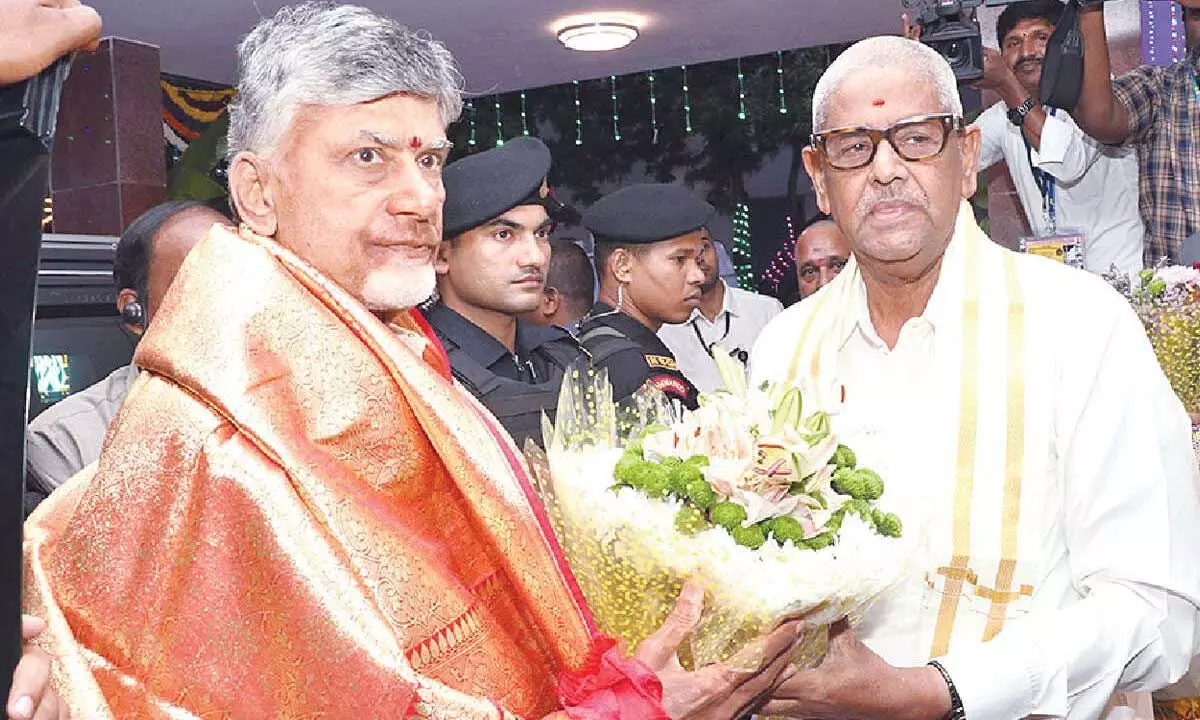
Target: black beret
<point>484,186</point>
<point>647,213</point>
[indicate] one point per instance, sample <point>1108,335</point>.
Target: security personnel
<point>491,268</point>
<point>648,238</point>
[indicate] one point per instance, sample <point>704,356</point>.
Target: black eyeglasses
<point>916,140</point>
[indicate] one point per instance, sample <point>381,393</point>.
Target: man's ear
<point>125,298</point>
<point>252,191</point>
<point>971,142</point>
<point>441,258</point>
<point>816,170</point>
<point>551,302</point>
<point>621,264</point>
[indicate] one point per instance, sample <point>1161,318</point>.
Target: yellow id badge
<point>1065,246</point>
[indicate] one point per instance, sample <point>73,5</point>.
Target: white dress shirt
<point>67,436</point>
<point>736,327</point>
<point>1096,186</point>
<point>1111,549</point>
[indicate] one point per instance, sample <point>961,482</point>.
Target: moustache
<point>908,196</point>
<point>531,277</point>
<point>1027,61</point>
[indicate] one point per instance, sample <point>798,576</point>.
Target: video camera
<point>950,27</point>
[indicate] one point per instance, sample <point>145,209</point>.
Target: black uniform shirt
<point>643,358</point>
<point>529,364</point>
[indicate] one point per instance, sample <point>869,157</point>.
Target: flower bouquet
<point>1167,299</point>
<point>751,494</point>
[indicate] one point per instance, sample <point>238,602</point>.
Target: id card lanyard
<point>1046,185</point>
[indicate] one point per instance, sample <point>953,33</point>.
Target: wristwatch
<point>1016,115</point>
<point>957,711</point>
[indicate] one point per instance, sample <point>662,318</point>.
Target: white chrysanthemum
<point>775,581</point>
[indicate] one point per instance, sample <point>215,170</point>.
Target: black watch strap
<point>1017,115</point>
<point>957,712</point>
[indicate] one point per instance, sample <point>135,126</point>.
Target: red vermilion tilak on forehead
<point>415,143</point>
<point>879,102</point>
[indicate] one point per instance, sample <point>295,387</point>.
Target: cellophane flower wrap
<point>751,495</point>
<point>1167,299</point>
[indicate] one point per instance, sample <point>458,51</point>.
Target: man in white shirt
<point>1051,500</point>
<point>728,318</point>
<point>1067,181</point>
<point>67,437</point>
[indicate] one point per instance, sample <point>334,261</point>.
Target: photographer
<point>1157,111</point>
<point>1069,184</point>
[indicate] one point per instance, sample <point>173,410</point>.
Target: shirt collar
<point>729,305</point>
<point>469,337</point>
<point>943,303</point>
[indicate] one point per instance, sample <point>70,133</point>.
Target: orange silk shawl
<point>297,515</point>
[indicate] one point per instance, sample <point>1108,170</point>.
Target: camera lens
<point>957,53</point>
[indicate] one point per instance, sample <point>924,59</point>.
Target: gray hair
<point>887,51</point>
<point>322,53</point>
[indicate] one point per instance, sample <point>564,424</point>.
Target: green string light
<point>471,123</point>
<point>741,91</point>
<point>653,112</point>
<point>524,126</point>
<point>499,124</point>
<point>742,246</point>
<point>616,115</point>
<point>687,102</point>
<point>779,72</point>
<point>578,116</point>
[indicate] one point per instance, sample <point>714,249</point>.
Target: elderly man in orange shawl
<point>297,514</point>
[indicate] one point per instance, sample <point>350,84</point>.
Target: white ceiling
<point>510,44</point>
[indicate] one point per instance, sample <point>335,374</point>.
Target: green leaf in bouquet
<point>732,372</point>
<point>844,457</point>
<point>625,469</point>
<point>701,494</point>
<point>784,528</point>
<point>728,515</point>
<point>690,520</point>
<point>858,507</point>
<point>1157,287</point>
<point>861,484</point>
<point>681,476</point>
<point>752,536</point>
<point>820,542</point>
<point>887,524</point>
<point>699,461</point>
<point>834,524</point>
<point>656,481</point>
<point>820,498</point>
<point>872,484</point>
<point>787,411</point>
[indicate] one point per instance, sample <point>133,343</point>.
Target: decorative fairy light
<point>653,111</point>
<point>524,124</point>
<point>687,102</point>
<point>471,123</point>
<point>780,265</point>
<point>578,116</point>
<point>741,78</point>
<point>784,260</point>
<point>782,97</point>
<point>499,124</point>
<point>742,248</point>
<point>616,114</point>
